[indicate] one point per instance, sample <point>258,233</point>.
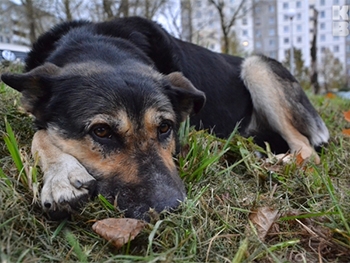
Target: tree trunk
<point>107,8</point>
<point>124,8</point>
<point>28,4</point>
<point>67,10</point>
<point>313,52</point>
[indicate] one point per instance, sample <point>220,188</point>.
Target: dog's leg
<point>66,181</point>
<point>280,103</point>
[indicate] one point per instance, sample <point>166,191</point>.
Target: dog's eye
<point>102,131</point>
<point>164,127</point>
<point>164,130</point>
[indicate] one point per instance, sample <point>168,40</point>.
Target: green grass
<point>226,182</point>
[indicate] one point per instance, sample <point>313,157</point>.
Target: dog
<point>108,99</point>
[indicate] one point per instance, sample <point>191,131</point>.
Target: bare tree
<point>123,9</point>
<point>313,53</point>
<point>226,22</point>
<point>30,15</point>
<point>186,20</point>
<point>333,77</point>
<point>67,10</point>
<point>107,8</point>
<point>152,7</point>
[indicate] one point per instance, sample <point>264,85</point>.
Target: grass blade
<point>12,146</point>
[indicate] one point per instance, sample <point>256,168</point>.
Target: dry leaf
<point>299,159</point>
<point>346,132</point>
<point>263,218</point>
<point>330,95</point>
<point>118,231</point>
<point>347,115</point>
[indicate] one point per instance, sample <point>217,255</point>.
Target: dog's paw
<point>67,185</point>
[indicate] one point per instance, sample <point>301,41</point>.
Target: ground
<point>240,208</point>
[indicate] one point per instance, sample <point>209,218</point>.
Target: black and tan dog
<point>108,99</point>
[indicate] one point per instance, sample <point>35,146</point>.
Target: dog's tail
<point>280,104</point>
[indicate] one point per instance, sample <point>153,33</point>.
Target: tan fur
<point>90,155</point>
<point>64,177</point>
<point>269,100</point>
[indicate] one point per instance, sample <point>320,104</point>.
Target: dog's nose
<point>170,202</point>
<point>168,198</point>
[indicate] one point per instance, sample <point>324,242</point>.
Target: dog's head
<point>121,123</point>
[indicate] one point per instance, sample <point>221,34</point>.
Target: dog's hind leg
<point>66,182</point>
<point>281,105</point>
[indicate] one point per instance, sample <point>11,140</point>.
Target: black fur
<point>215,74</point>
<point>79,70</point>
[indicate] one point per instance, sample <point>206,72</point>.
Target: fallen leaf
<point>347,115</point>
<point>346,132</point>
<point>299,159</point>
<point>118,231</point>
<point>263,218</point>
<point>330,95</point>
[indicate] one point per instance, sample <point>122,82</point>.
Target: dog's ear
<point>32,84</point>
<point>185,98</point>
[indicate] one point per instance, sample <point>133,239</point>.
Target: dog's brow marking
<point>120,121</point>
<point>152,119</point>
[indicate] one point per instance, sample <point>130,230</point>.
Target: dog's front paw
<point>67,185</point>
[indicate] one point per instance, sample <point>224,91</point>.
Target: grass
<point>227,186</point>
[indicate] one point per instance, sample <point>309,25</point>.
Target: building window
<point>285,5</point>
<point>336,49</point>
<point>323,37</point>
<point>271,32</point>
<point>322,2</point>
<point>272,54</point>
<point>198,14</point>
<point>257,21</point>
<point>286,29</point>
<point>271,20</point>
<point>258,44</point>
<point>322,26</point>
<point>271,8</point>
<point>336,2</point>
<point>298,4</point>
<point>244,21</point>
<point>299,28</point>
<point>323,49</point>
<point>299,39</point>
<point>245,33</point>
<point>272,43</point>
<point>286,40</point>
<point>258,33</point>
<point>299,16</point>
<point>285,17</point>
<point>335,38</point>
<point>322,14</point>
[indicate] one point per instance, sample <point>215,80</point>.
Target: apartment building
<point>200,24</point>
<point>272,27</point>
